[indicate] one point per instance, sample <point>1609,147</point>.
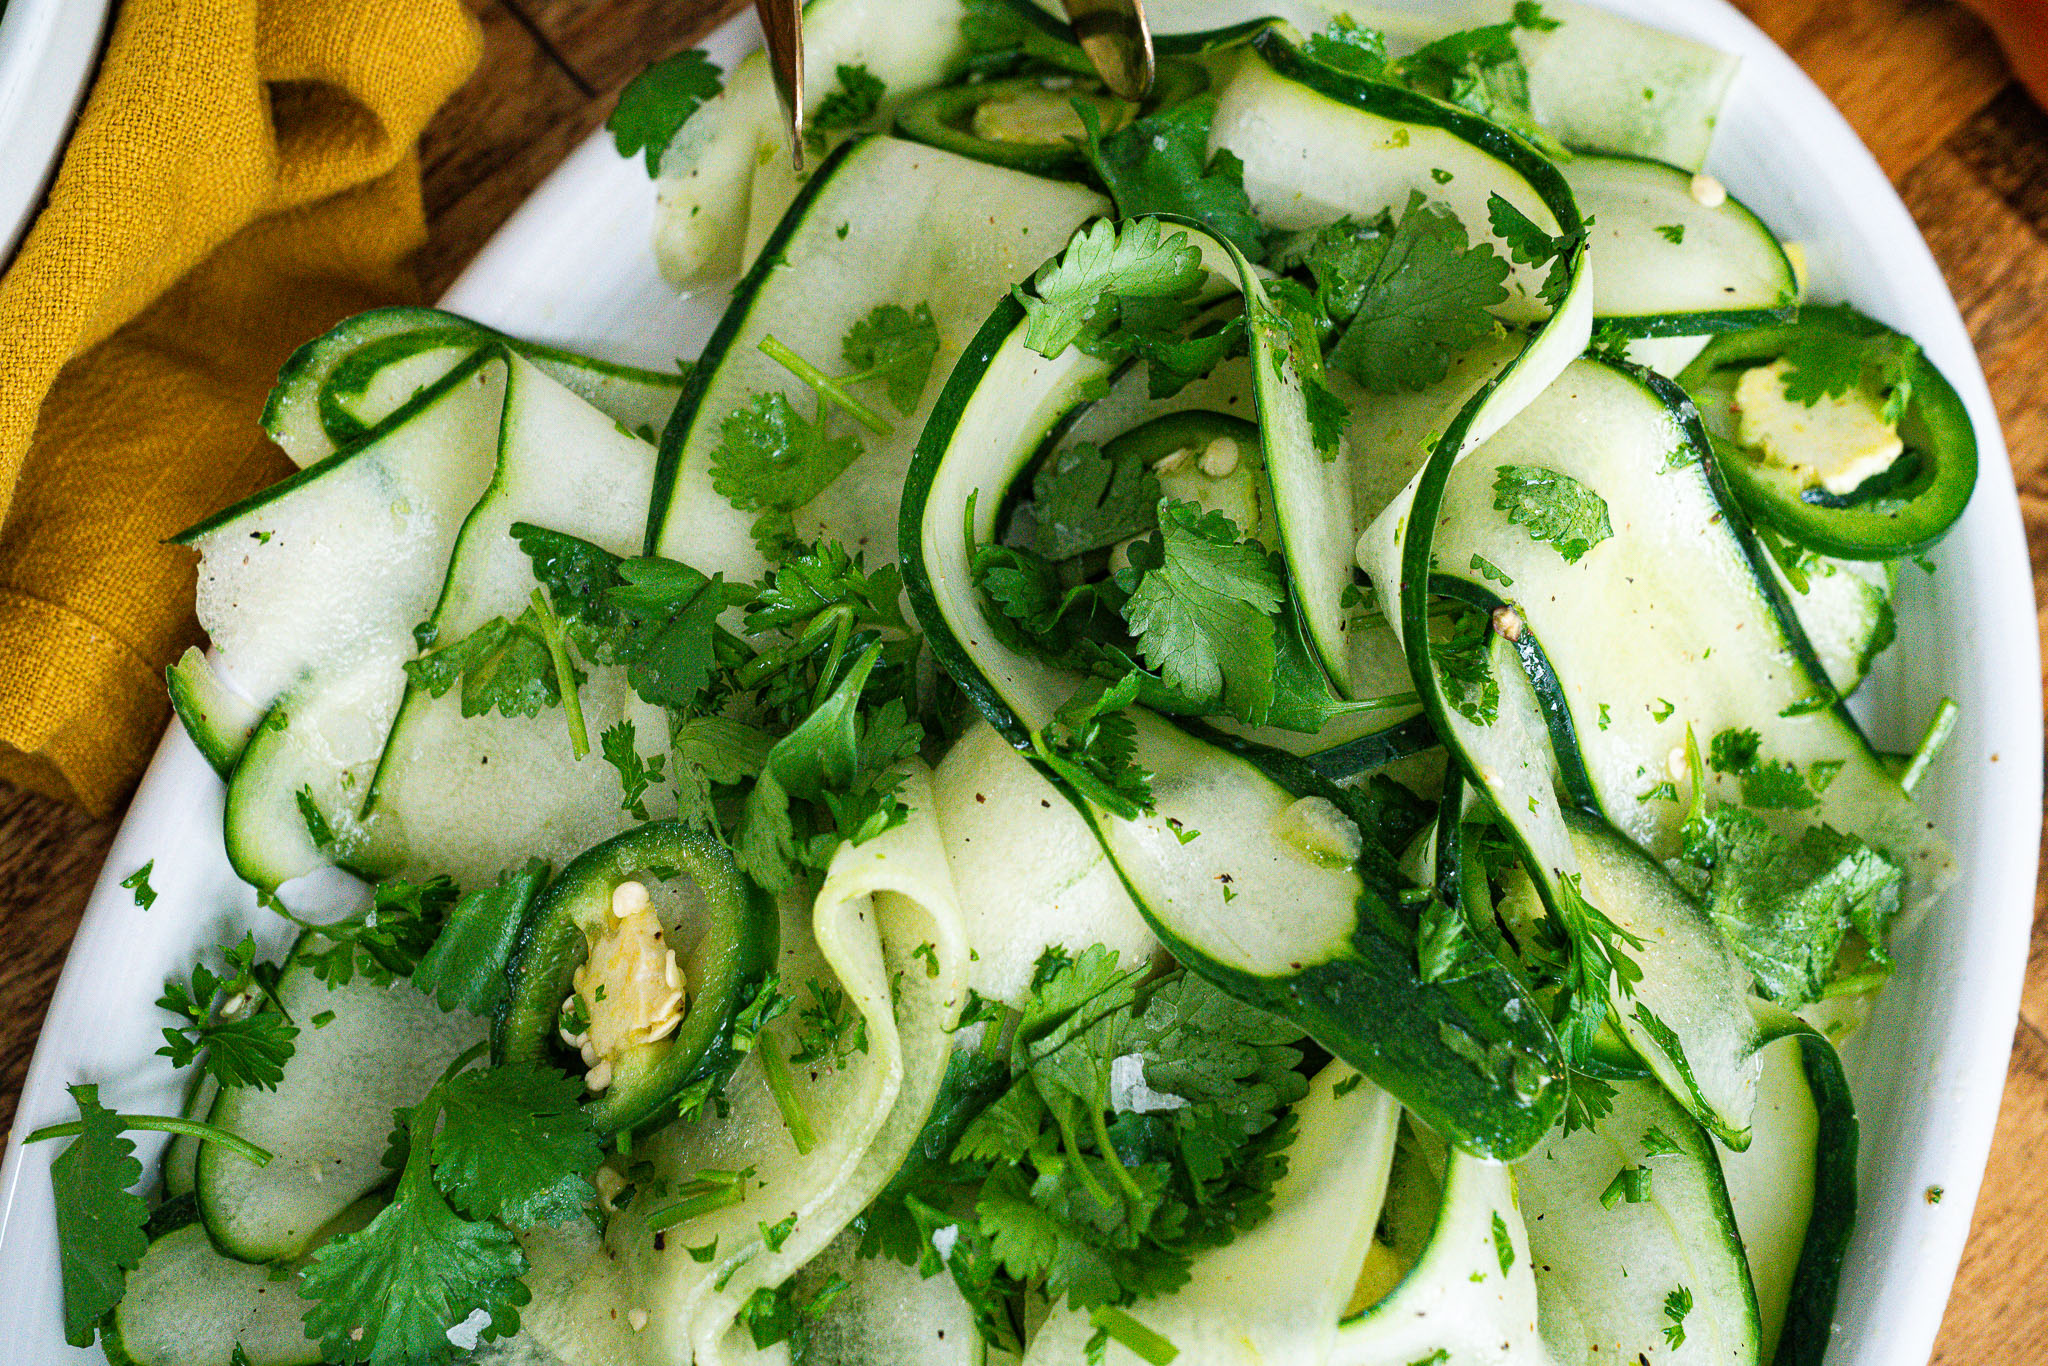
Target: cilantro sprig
<point>485,1153</point>
<point>242,1045</point>
<point>100,1219</point>
<point>1410,294</point>
<point>1120,1124</point>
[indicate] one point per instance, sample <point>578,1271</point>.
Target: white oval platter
<point>573,267</point>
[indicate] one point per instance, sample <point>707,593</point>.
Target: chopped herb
<point>138,883</point>
<point>1554,507</point>
<point>656,104</point>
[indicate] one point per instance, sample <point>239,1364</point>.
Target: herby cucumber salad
<point>1210,731</point>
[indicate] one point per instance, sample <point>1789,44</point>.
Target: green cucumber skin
<point>403,414</point>
<point>730,325</point>
<point>219,743</point>
<point>1936,498</point>
<point>1809,1318</point>
<point>743,928</point>
<point>1368,752</point>
<point>1394,102</point>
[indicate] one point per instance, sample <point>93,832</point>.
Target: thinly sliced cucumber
<point>1794,1189</point>
<point>883,222</point>
<point>292,412</point>
<point>370,384</point>
<point>1845,608</point>
<point>708,172</point>
<point>1273,1293</point>
<point>990,803</point>
<point>1297,126</point>
<point>298,576</point>
<point>1466,1288</point>
<point>187,1305</point>
<point>563,464</point>
<point>311,591</point>
<point>1321,943</point>
<point>887,1313</point>
<point>1698,1036</point>
<point>1597,80</point>
<point>328,1121</point>
<point>219,721</point>
<point>1684,593</point>
<point>1666,264</point>
<point>1606,1266</point>
<point>340,386</point>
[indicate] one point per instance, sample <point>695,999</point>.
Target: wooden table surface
<point>1919,79</point>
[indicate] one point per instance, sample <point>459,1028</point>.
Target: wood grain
<point>1921,81</point>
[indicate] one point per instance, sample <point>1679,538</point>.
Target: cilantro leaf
<point>384,941</point>
<point>503,666</point>
<point>769,457</point>
<point>509,1145</point>
<point>836,756</point>
<point>1461,646</point>
<point>671,610</point>
<point>1481,70</point>
<point>1346,47</point>
<point>1202,610</point>
<point>1106,263</point>
<point>1424,300</point>
<point>897,346</point>
<point>244,1046</point>
<point>138,883</point>
<point>99,1220</point>
<point>656,104</point>
<point>636,775</point>
<point>388,1293</point>
<point>1086,499</point>
<point>1553,507</point>
<point>1835,349</point>
<point>516,1144</point>
<point>465,969</point>
<point>1532,246</point>
<point>1094,747</point>
<point>853,102</point>
<point>1161,163</point>
<point>1070,1184</point>
<point>1786,910</point>
<point>657,617</point>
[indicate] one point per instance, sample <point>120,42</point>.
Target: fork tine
<point>1118,42</point>
<point>782,27</point>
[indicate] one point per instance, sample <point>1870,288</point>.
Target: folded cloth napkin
<point>245,173</point>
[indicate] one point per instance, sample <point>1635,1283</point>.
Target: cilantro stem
<point>1063,1116</point>
<point>842,635</point>
<point>714,1196</point>
<point>164,1124</point>
<point>1931,743</point>
<point>1134,1336</point>
<point>1856,983</point>
<point>565,673</point>
<point>828,389</point>
<point>782,1086</point>
<point>1111,1155</point>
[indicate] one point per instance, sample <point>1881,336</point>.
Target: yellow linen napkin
<point>244,175</point>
